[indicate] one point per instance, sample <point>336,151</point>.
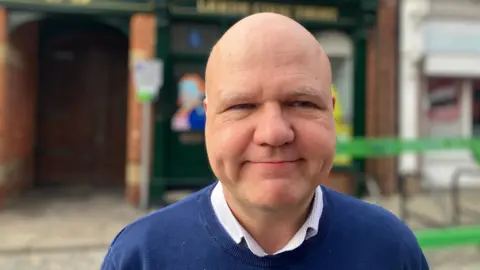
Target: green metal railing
<point>449,237</point>
<point>382,147</point>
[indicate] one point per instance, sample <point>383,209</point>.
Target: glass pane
<point>190,114</point>
<point>342,79</point>
<point>443,108</point>
<point>193,38</point>
<point>476,110</point>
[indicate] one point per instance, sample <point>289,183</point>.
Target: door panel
<point>180,156</point>
<point>187,148</point>
<point>82,109</point>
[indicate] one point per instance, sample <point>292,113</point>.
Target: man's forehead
<point>262,34</point>
<point>261,51</point>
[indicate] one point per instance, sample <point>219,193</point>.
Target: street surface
<point>54,260</point>
<point>64,230</point>
<point>71,230</point>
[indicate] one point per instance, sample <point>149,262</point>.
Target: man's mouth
<point>275,162</point>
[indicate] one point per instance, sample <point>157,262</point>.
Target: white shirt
<point>238,233</point>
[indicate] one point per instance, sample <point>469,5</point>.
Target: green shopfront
<point>186,35</point>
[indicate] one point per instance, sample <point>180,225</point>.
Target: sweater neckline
<point>241,252</point>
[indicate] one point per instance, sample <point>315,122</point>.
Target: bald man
<point>270,139</point>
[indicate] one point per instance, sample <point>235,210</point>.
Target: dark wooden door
<point>81,136</point>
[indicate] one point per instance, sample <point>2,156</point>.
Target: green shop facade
<point>191,29</point>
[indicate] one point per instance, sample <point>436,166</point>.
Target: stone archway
<point>18,96</point>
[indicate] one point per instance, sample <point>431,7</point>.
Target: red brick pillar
<point>142,46</point>
<point>18,72</point>
<point>382,86</point>
<point>3,127</point>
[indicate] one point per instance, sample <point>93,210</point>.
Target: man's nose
<point>273,128</point>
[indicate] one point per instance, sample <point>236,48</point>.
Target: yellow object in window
<point>343,129</point>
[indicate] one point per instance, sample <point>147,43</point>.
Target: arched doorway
<point>82,104</point>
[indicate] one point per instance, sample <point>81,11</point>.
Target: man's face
<point>270,132</point>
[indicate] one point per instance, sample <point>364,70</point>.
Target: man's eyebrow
<point>228,96</point>
<point>320,96</point>
<point>306,91</point>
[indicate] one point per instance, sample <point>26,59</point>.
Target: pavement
<point>67,229</point>
<point>71,229</point>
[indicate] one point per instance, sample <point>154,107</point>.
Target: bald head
<point>264,37</point>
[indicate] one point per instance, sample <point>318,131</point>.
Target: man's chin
<point>274,205</point>
<point>274,198</point>
<point>281,185</point>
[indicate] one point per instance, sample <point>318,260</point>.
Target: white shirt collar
<point>238,233</point>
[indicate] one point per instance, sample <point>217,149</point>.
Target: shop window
<point>339,49</point>
<point>193,38</point>
<point>443,114</point>
<point>476,112</point>
<point>190,114</point>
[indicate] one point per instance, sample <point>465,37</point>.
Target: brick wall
<point>18,66</point>
<point>142,46</point>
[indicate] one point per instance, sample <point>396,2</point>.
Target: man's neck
<point>272,230</point>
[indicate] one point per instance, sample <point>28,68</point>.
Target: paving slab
<point>40,221</point>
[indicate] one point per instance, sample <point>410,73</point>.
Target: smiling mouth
<point>275,162</point>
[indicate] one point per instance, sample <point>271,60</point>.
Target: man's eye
<point>243,107</point>
<point>303,104</point>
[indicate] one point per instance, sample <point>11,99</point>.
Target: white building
<point>439,83</point>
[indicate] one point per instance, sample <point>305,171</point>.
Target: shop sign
<point>148,79</point>
<point>244,8</point>
<point>451,36</point>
